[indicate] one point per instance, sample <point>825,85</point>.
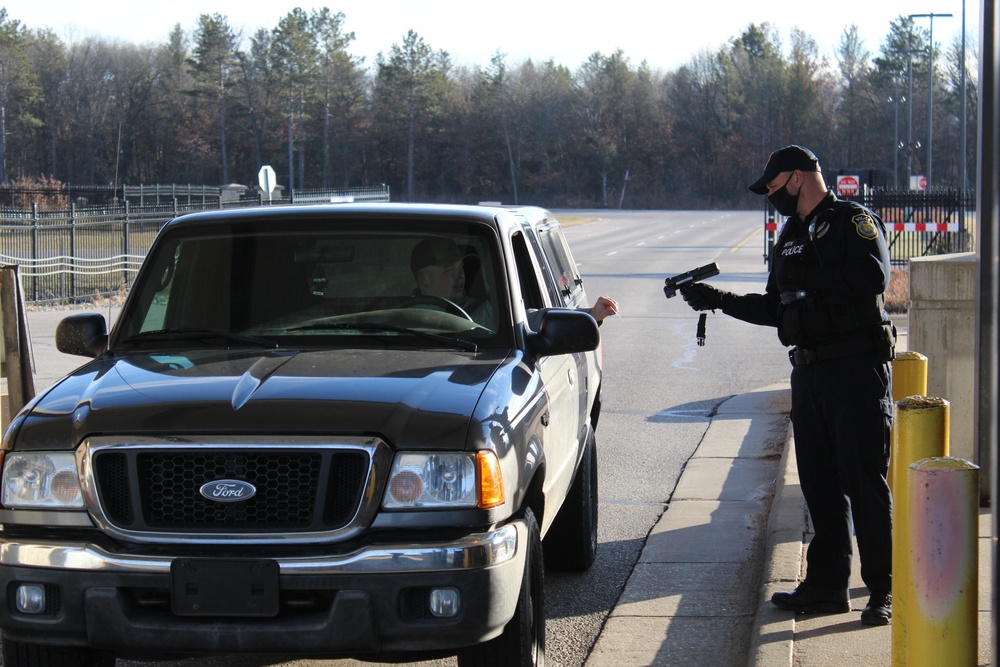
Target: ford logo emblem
<point>228,490</point>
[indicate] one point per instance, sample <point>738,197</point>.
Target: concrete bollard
<point>909,378</point>
<point>920,430</point>
<point>943,594</point>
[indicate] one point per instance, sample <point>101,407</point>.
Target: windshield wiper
<point>460,343</point>
<point>200,334</point>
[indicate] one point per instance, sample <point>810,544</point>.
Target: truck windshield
<point>320,282</point>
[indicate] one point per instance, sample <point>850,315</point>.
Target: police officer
<point>825,295</point>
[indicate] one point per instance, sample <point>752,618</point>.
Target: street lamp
<point>930,88</point>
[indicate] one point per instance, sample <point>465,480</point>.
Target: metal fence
<point>185,194</point>
<point>88,252</point>
<point>57,196</point>
<point>918,223</point>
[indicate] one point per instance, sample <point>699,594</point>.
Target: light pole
<point>895,134</point>
<point>896,99</point>
<point>909,114</point>
<point>962,139</point>
<point>930,89</point>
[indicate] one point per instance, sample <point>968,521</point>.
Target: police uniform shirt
<point>828,278</point>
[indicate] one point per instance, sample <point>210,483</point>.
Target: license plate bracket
<point>224,587</point>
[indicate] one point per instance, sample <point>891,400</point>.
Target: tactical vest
<point>809,315</point>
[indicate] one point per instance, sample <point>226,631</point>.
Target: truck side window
<point>526,273</point>
<point>557,253</point>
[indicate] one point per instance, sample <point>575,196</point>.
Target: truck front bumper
<point>375,599</point>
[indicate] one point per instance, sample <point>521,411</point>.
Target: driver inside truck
<point>439,269</point>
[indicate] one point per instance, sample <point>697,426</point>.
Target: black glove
<point>702,297</point>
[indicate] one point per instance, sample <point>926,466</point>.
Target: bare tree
<point>854,64</point>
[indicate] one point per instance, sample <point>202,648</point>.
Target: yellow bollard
<point>909,378</point>
<point>943,615</point>
<point>920,430</point>
<point>909,375</point>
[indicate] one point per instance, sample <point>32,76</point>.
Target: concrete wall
<point>942,327</point>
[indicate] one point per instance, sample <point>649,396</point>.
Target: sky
<point>665,34</point>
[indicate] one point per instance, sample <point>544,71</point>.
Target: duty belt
<point>803,356</point>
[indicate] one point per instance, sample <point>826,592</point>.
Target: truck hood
<point>412,398</point>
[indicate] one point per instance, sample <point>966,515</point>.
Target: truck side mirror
<point>564,332</point>
<point>85,335</point>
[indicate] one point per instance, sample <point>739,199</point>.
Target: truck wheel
<point>571,543</point>
<point>18,654</point>
<point>522,643</point>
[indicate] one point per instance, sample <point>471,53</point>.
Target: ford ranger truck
<point>289,444</point>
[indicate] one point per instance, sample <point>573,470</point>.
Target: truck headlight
<point>41,480</point>
<point>443,479</point>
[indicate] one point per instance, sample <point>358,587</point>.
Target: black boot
<point>878,611</point>
<point>808,599</point>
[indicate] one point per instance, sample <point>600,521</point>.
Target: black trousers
<point>841,416</point>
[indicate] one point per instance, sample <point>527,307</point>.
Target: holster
<point>885,341</point>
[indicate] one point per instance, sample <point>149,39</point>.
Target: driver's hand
<point>605,307</point>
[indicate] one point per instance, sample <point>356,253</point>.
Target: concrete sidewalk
<point>693,596</point>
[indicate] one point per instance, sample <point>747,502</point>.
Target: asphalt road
<point>660,387</point>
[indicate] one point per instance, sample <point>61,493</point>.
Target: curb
<point>772,639</point>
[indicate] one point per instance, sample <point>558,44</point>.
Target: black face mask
<point>784,203</point>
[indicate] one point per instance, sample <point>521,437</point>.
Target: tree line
<point>211,106</point>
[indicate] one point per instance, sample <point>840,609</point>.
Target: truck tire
<point>571,543</point>
<point>18,654</point>
<point>522,643</point>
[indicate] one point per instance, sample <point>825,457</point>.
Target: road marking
<point>744,242</point>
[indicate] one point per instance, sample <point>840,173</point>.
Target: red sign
<point>848,186</point>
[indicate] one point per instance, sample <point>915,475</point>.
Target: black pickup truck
<point>351,430</point>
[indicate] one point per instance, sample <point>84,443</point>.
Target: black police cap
<point>784,159</point>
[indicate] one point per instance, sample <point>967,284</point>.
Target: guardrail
<point>53,266</point>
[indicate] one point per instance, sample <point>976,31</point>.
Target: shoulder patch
<point>865,226</point>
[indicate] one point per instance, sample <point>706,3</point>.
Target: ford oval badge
<point>228,490</point>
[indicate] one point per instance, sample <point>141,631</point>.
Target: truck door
<point>560,373</point>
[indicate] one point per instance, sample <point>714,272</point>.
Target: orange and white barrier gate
<point>923,227</point>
